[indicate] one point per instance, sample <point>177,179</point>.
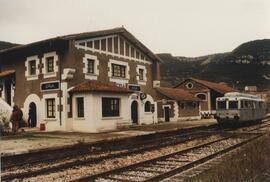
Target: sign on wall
<point>134,87</point>
<point>50,86</point>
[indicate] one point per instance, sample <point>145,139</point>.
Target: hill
<point>5,45</point>
<point>248,64</point>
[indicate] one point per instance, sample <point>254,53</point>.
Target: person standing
<point>16,118</point>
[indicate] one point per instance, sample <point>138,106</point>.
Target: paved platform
<point>34,140</point>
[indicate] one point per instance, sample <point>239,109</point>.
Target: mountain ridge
<point>247,64</point>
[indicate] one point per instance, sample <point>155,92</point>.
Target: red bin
<point>42,127</point>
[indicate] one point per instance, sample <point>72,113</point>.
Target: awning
<point>6,73</point>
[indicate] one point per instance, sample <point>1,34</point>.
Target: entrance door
<point>134,112</point>
<point>33,114</point>
<point>167,114</point>
<point>8,91</point>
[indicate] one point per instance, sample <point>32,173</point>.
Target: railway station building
<point>206,91</point>
<point>90,82</point>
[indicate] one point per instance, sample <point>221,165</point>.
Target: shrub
<point>4,123</point>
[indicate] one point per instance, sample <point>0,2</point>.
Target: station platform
<point>31,139</point>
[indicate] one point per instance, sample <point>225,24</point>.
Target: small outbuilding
<point>176,104</point>
<point>206,91</point>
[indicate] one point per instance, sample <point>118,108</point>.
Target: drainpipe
<point>61,93</point>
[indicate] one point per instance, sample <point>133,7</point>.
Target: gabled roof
<point>177,94</point>
<point>97,86</point>
<point>119,30</point>
<point>219,87</point>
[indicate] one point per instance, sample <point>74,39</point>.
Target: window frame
<point>80,108</point>
<point>141,74</point>
<point>53,108</point>
<point>50,68</point>
<point>121,72</point>
<point>113,107</point>
<point>92,66</point>
<point>230,102</point>
<point>30,73</point>
<point>198,94</point>
<point>221,103</point>
<point>147,106</point>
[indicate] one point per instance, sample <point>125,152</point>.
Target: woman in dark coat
<point>16,118</point>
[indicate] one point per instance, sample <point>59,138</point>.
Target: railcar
<point>237,107</point>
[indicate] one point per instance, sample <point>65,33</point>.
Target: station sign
<point>134,88</point>
<point>50,86</point>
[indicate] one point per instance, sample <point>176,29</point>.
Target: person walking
<point>16,118</point>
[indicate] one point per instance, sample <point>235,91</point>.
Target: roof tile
<point>93,85</point>
<point>220,87</point>
<point>177,94</point>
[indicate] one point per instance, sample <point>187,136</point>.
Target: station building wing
<point>90,82</point>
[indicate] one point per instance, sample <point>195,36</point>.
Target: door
<point>33,114</point>
<point>167,114</point>
<point>8,91</point>
<point>134,112</point>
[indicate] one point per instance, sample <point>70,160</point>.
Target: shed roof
<point>97,86</point>
<point>219,87</point>
<point>177,94</point>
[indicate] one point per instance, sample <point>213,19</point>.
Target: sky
<point>181,27</point>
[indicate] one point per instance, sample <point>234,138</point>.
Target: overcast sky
<point>181,27</point>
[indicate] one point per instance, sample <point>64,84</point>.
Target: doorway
<point>134,112</point>
<point>7,85</point>
<point>167,113</point>
<point>32,120</point>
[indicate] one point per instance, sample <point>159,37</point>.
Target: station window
<point>80,107</point>
<point>50,64</point>
<point>141,72</point>
<point>201,96</point>
<point>189,85</point>
<point>182,105</point>
<point>147,106</point>
<point>110,107</point>
<point>90,66</point>
<point>118,70</point>
<point>50,107</point>
<point>32,67</point>
<point>189,104</point>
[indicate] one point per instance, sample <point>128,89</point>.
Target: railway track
<point>47,156</point>
<point>139,146</point>
<point>144,146</point>
<point>160,168</point>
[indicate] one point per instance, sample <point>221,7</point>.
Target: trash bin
<point>42,127</point>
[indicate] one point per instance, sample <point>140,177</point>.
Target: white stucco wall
<point>143,117</point>
<point>93,120</point>
<point>35,99</point>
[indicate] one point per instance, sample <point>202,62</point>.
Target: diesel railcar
<point>239,107</point>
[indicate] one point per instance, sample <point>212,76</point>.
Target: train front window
<point>221,104</point>
<point>233,104</point>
